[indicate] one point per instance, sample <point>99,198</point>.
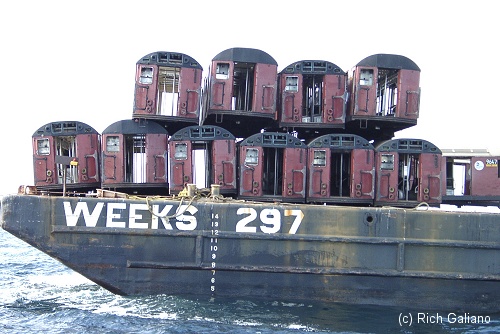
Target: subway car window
<point>319,159</point>
<point>366,78</point>
<point>146,75</point>
<point>387,162</point>
<point>180,151</point>
<point>292,84</point>
<point>43,147</point>
<point>222,71</point>
<point>112,144</point>
<point>252,156</point>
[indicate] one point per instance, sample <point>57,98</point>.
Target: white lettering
<point>299,215</point>
<point>133,216</point>
<point>81,207</point>
<point>269,220</point>
<point>186,222</point>
<point>157,214</point>
<point>270,217</point>
<point>241,226</point>
<point>110,216</point>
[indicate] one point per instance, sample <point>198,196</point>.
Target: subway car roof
<point>313,67</point>
<point>135,126</point>
<point>391,61</point>
<point>64,128</point>
<point>341,141</point>
<point>272,139</point>
<point>246,55</point>
<point>166,58</point>
<point>469,152</point>
<point>407,145</point>
<point>202,132</point>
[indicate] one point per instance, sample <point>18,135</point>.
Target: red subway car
<point>312,96</point>
<point>409,171</point>
<point>203,155</point>
<point>384,96</point>
<point>66,155</point>
<point>272,167</point>
<point>241,91</point>
<point>168,89</point>
<point>472,177</point>
<point>341,169</point>
<point>134,156</point>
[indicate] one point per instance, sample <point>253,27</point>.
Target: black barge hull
<point>421,259</point>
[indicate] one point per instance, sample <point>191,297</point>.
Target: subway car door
<point>88,157</point>
<point>113,158</point>
<point>221,90</point>
<point>181,167</point>
<point>43,160</point>
<point>146,86</point>
<point>365,91</point>
<point>387,179</point>
<point>265,88</point>
<point>363,174</point>
<point>319,173</point>
<point>224,166</point>
<point>409,94</point>
<point>334,103</point>
<point>251,170</point>
<point>429,189</point>
<point>156,167</point>
<point>189,92</point>
<point>294,170</point>
<point>291,108</point>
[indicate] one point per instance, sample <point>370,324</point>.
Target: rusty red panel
<point>365,90</point>
<point>291,101</point>
<point>319,172</point>
<point>189,88</point>
<point>264,99</point>
<point>145,93</point>
<point>44,164</point>
<point>181,164</point>
<point>363,174</point>
<point>408,99</point>
<point>88,149</point>
<point>386,166</point>
<point>113,160</point>
<point>408,94</point>
<point>294,170</point>
<point>251,171</point>
<point>156,150</point>
<point>224,159</point>
<point>221,90</point>
<point>430,178</point>
<point>334,89</point>
<point>291,107</point>
<point>141,97</point>
<point>485,177</point>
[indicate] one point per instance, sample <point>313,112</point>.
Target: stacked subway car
<point>310,133</point>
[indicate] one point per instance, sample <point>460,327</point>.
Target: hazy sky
<point>68,60</point>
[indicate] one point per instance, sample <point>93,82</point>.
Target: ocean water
<point>40,295</point>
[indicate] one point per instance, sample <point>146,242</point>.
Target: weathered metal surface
<point>385,256</point>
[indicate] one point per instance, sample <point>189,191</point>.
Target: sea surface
<point>40,295</point>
